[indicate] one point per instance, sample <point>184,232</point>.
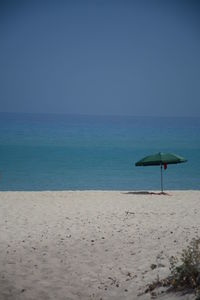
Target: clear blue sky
<point>100,57</point>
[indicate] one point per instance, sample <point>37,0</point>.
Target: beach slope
<point>91,244</point>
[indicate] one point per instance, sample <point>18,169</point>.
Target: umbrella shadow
<point>146,193</point>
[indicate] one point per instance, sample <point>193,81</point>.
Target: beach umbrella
<point>161,159</point>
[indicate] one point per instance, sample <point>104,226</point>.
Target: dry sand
<point>92,244</point>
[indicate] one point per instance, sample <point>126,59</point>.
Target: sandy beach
<point>91,244</point>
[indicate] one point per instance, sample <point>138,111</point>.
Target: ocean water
<point>66,152</point>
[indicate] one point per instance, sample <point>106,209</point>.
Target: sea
<point>79,152</point>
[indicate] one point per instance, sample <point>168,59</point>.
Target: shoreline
<point>99,191</point>
<point>91,244</point>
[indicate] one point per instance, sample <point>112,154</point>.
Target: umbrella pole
<point>161,174</point>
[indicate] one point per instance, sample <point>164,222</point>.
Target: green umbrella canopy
<point>160,159</point>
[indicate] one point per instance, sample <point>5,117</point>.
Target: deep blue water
<point>65,152</point>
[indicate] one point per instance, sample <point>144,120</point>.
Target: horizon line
<point>97,115</point>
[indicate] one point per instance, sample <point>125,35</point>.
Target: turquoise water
<point>65,152</point>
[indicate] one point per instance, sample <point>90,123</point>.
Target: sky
<point>99,57</point>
